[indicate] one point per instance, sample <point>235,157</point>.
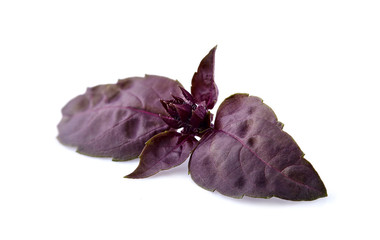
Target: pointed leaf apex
<point>213,50</point>
<point>164,104</point>
<point>178,99</point>
<point>164,151</point>
<point>171,122</point>
<point>187,95</point>
<point>203,87</point>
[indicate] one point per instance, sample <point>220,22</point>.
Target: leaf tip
<point>214,48</point>
<point>134,175</point>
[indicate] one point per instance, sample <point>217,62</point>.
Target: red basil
<point>246,152</point>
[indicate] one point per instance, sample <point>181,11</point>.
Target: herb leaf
<point>203,87</point>
<point>115,120</point>
<point>163,151</point>
<point>245,152</point>
<point>248,154</point>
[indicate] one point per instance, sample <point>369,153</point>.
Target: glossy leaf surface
<point>115,120</point>
<point>203,87</point>
<point>163,151</point>
<point>248,153</point>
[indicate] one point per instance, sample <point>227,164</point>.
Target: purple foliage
<point>203,86</point>
<point>115,120</point>
<point>246,153</point>
<point>163,151</point>
<point>260,159</point>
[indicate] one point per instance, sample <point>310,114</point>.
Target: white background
<point>316,63</point>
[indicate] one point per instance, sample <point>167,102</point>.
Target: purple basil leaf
<point>115,120</point>
<point>171,121</point>
<point>188,96</point>
<point>184,111</point>
<point>169,107</point>
<point>203,87</point>
<point>248,154</point>
<point>163,151</point>
<point>198,116</point>
<point>178,100</point>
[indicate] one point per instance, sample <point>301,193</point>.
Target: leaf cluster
<point>244,152</point>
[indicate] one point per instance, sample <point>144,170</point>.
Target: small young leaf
<point>198,116</point>
<point>188,96</point>
<point>203,87</point>
<point>163,151</point>
<point>115,120</point>
<point>184,111</point>
<point>248,154</point>
<point>171,121</point>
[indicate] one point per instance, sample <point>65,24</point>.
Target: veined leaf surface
<point>248,153</point>
<point>115,120</point>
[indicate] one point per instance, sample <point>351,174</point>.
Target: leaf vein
<point>267,164</point>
